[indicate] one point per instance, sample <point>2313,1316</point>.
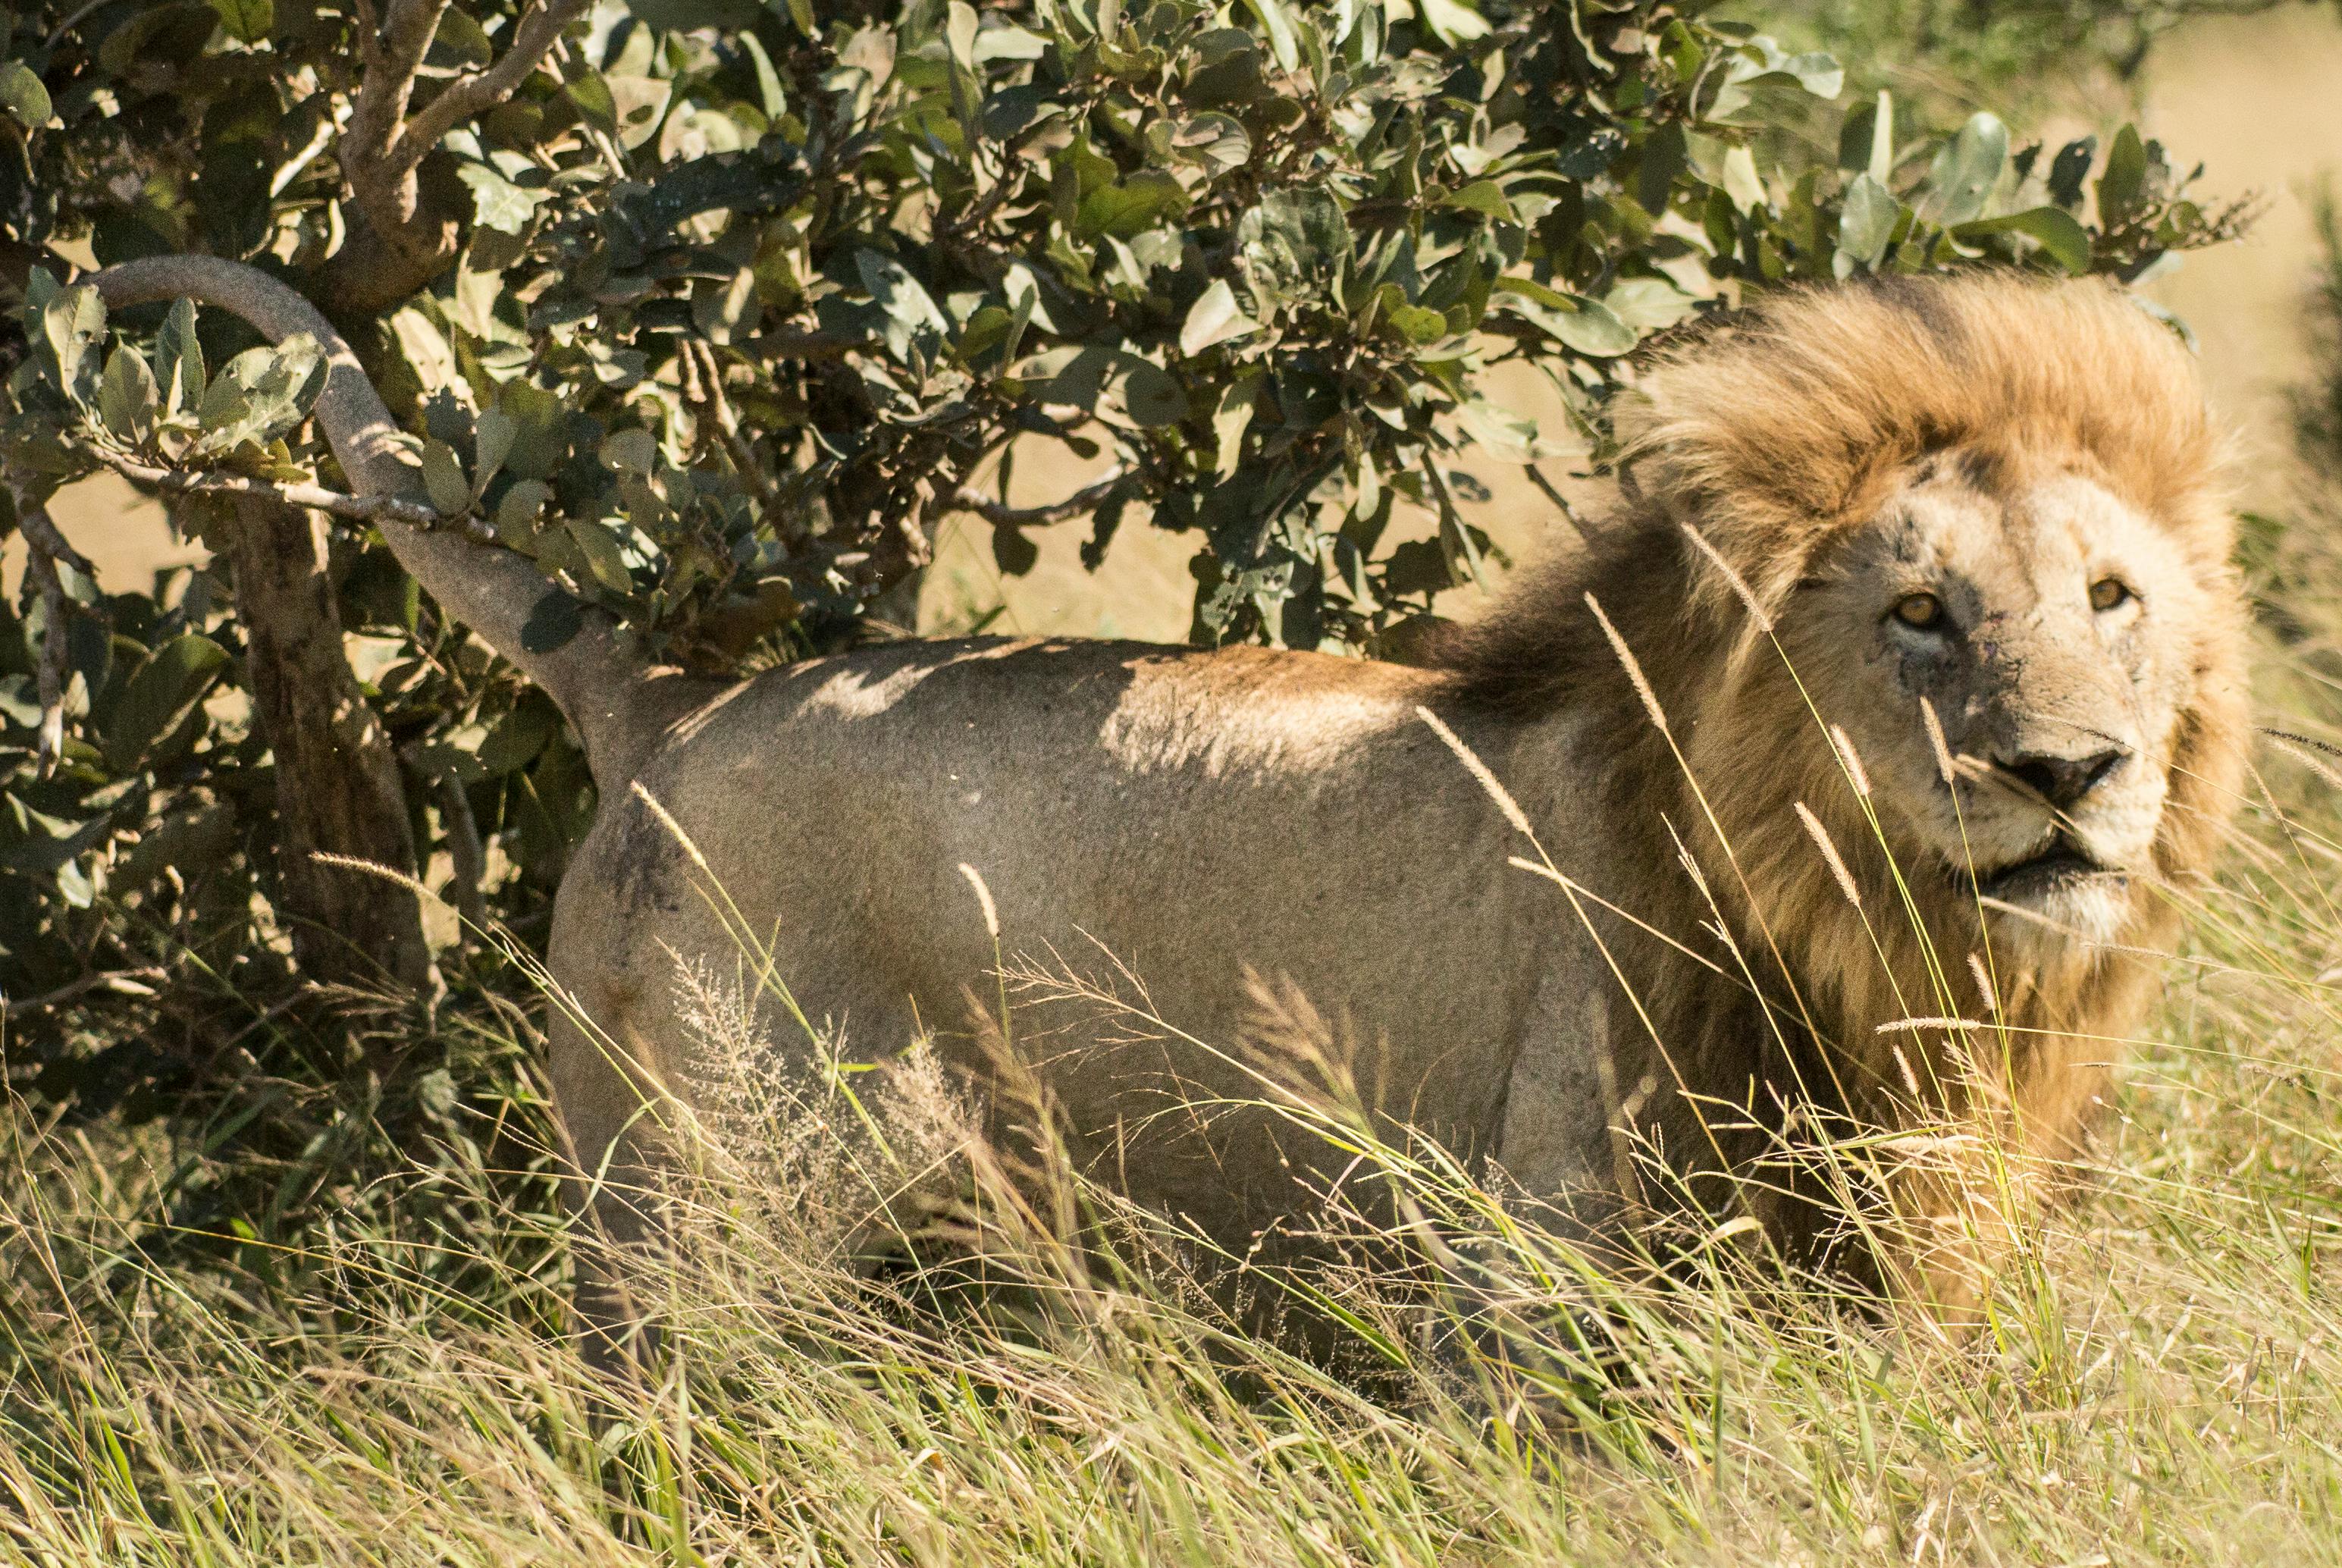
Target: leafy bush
<point>714,311</point>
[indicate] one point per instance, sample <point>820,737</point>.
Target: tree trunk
<point>337,784</point>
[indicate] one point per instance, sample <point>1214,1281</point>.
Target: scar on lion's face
<point>2041,618</point>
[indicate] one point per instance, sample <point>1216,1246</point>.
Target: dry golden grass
<point>2159,1380</point>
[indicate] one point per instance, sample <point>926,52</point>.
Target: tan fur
<point>1775,435</point>
<point>1192,815</point>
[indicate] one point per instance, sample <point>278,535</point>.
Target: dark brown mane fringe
<point>1539,647</point>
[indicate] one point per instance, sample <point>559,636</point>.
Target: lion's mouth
<point>2062,865</point>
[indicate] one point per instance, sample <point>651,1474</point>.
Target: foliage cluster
<point>715,310</point>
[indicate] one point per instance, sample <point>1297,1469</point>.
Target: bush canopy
<point>715,310</point>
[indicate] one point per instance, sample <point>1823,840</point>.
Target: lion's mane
<point>1773,432</point>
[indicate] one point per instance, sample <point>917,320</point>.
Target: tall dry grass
<point>885,1341</point>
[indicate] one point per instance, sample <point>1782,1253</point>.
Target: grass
<point>346,1355</point>
<point>326,1321</point>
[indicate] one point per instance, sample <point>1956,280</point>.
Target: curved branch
<point>592,675</point>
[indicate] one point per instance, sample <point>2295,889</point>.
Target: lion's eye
<point>2109,594</point>
<point>1920,611</point>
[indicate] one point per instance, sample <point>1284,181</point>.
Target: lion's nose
<point>2061,781</point>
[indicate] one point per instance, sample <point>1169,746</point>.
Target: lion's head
<point>1944,564</point>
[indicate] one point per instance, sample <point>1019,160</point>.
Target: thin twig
<point>45,547</point>
<point>470,861</point>
<point>704,385</point>
<point>1569,513</point>
<point>122,980</point>
<point>315,497</point>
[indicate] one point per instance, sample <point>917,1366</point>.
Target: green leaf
<point>769,97</point>
<point>250,21</point>
<point>1485,197</point>
<point>2122,189</point>
<point>1215,317</point>
<point>180,358</point>
<point>1882,140</point>
<point>1741,183</point>
<point>1152,396</point>
<point>1282,44</point>
<point>156,699</point>
<point>516,512</point>
<point>633,449</point>
<point>518,737</point>
<point>1648,303</point>
<point>460,40</point>
<point>541,429</point>
<point>2058,233</point>
<point>1586,325</point>
<point>1865,226</point>
<point>1967,170</point>
<point>1128,206</point>
<point>126,399</point>
<point>589,93</point>
<point>1416,323</point>
<point>442,478</point>
<point>959,32</point>
<point>23,95</point>
<point>74,323</point>
<point>599,546</point>
<point>492,440</point>
<point>1451,22</point>
<point>498,203</point>
<point>898,293</point>
<point>261,393</point>
<point>1499,432</point>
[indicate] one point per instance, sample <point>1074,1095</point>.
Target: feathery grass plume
<point>1821,838</point>
<point>1910,1079</point>
<point>1850,760</point>
<point>1480,770</point>
<point>1634,669</point>
<point>666,820</point>
<point>1937,743</point>
<point>376,869</point>
<point>1911,1025</point>
<point>1747,595</point>
<point>1984,983</point>
<point>2299,748</point>
<point>982,897</point>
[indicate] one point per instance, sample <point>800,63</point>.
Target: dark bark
<point>338,784</point>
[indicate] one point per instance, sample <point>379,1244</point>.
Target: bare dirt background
<point>2258,99</point>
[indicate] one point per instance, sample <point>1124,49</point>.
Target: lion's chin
<point>2056,898</point>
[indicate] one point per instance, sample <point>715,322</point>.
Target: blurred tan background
<point>2258,99</point>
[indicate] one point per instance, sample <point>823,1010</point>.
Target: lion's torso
<point>1142,817</point>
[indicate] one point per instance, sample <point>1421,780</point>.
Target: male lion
<point>1903,683</point>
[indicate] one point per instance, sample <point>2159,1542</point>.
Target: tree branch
<point>467,96</point>
<point>967,498</point>
<point>403,246</point>
<point>317,497</point>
